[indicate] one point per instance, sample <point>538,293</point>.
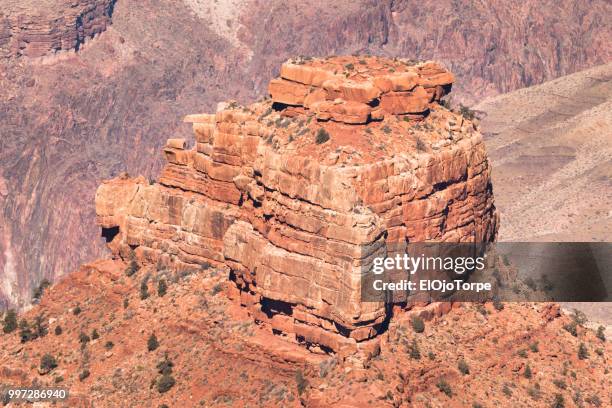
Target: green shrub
<point>417,324</point>
<point>25,332</point>
<point>144,289</point>
<point>558,402</point>
<point>38,292</point>
<point>583,353</point>
<point>48,363</point>
<point>522,353</point>
<point>77,310</point>
<point>301,382</point>
<point>152,343</point>
<point>463,367</point>
<point>571,328</point>
<point>84,338</point>
<point>322,136</point>
<point>162,287</point>
<point>444,387</point>
<point>534,347</point>
<point>507,391</point>
<point>601,333</point>
<point>527,373</point>
<point>83,375</point>
<point>9,324</point>
<point>58,330</point>
<point>165,382</point>
<point>415,354</point>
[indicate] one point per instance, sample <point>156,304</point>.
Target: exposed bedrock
<point>293,200</point>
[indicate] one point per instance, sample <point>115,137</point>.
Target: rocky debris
<point>34,29</point>
<point>297,206</point>
<point>356,90</point>
<point>221,358</point>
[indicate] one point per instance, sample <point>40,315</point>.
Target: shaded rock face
<point>35,29</point>
<point>294,217</point>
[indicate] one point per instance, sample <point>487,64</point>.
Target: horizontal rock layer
<point>44,29</point>
<point>295,219</point>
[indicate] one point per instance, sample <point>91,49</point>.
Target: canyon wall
<point>35,29</point>
<point>296,195</point>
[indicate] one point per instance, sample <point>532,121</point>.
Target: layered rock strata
<point>295,195</point>
<point>39,28</point>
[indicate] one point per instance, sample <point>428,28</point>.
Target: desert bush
<point>95,335</point>
<point>601,333</point>
<point>132,266</point>
<point>497,304</point>
<point>463,367</point>
<point>444,387</point>
<point>77,310</point>
<point>534,347</point>
<point>301,382</point>
<point>109,345</point>
<point>322,136</point>
<point>571,328</point>
<point>58,330</point>
<point>162,287</point>
<point>38,292</point>
<point>84,338</point>
<point>83,374</point>
<point>527,373</point>
<point>583,353</point>
<point>165,382</point>
<point>9,324</point>
<point>559,383</point>
<point>25,331</point>
<point>418,325</point>
<point>48,362</point>
<point>144,289</point>
<point>558,402</point>
<point>506,390</point>
<point>522,353</point>
<point>466,112</point>
<point>415,354</point>
<point>152,343</point>
<point>593,400</point>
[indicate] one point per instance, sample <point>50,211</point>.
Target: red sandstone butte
<point>294,195</point>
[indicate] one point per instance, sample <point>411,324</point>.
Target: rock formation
<point>295,195</point>
<point>54,26</point>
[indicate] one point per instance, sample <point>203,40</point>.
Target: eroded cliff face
<point>296,195</point>
<point>39,28</point>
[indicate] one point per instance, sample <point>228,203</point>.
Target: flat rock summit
<point>294,196</point>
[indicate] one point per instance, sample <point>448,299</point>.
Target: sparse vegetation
<point>109,345</point>
<point>507,391</point>
<point>534,347</point>
<point>152,343</point>
<point>132,267</point>
<point>165,382</point>
<point>38,292</point>
<point>527,373</point>
<point>9,324</point>
<point>25,332</point>
<point>463,367</point>
<point>594,400</point>
<point>415,354</point>
<point>322,136</point>
<point>558,402</point>
<point>571,328</point>
<point>83,375</point>
<point>417,324</point>
<point>583,353</point>
<point>47,363</point>
<point>58,330</point>
<point>84,338</point>
<point>522,353</point>
<point>144,289</point>
<point>386,129</point>
<point>444,387</point>
<point>77,310</point>
<point>601,333</point>
<point>497,304</point>
<point>95,335</point>
<point>559,383</point>
<point>420,145</point>
<point>301,382</point>
<point>466,112</point>
<point>431,355</point>
<point>162,287</point>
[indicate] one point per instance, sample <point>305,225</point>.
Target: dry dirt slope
<point>551,149</point>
